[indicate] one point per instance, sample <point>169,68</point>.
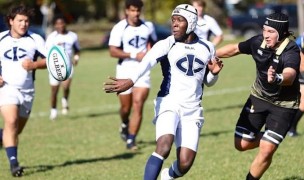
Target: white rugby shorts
<point>184,123</point>
<point>22,97</point>
<point>125,69</point>
<point>54,82</point>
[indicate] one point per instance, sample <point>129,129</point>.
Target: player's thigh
<point>67,83</point>
<point>9,113</point>
<point>301,107</point>
<point>140,95</point>
<point>166,123</point>
<point>125,100</point>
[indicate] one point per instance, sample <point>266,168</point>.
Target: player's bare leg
<point>124,111</point>
<point>263,159</point>
<point>10,136</point>
<point>139,97</point>
<point>66,93</point>
<point>54,92</point>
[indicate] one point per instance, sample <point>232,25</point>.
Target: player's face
<point>133,14</point>
<point>19,25</point>
<point>271,36</point>
<point>199,8</point>
<point>60,26</point>
<point>179,27</point>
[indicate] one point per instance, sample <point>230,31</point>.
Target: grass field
<point>86,144</point>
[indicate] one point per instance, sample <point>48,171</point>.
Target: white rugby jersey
<point>183,68</point>
<point>13,51</point>
<point>68,41</point>
<point>132,39</point>
<point>206,26</point>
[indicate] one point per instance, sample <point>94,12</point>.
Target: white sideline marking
<point>116,106</point>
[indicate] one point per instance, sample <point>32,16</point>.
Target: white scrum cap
<point>189,13</point>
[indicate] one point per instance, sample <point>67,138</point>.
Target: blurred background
<point>93,19</point>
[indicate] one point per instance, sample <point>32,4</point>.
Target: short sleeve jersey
<point>68,41</point>
<point>284,96</point>
<point>12,53</point>
<point>207,26</point>
<point>132,39</point>
<point>183,68</point>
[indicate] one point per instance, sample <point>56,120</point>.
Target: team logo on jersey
<point>190,65</point>
<point>138,41</point>
<point>15,54</point>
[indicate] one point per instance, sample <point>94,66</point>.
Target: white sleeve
<point>214,27</point>
<point>152,31</point>
<point>116,36</point>
<point>40,45</point>
<point>159,50</point>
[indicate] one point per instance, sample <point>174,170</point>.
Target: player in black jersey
<point>274,97</point>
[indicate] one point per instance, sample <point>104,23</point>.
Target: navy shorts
<point>256,113</point>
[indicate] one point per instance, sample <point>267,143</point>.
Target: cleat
<point>65,111</point>
<point>53,114</point>
<point>16,170</point>
<point>165,174</point>
<point>131,145</point>
<point>123,130</point>
<point>292,133</point>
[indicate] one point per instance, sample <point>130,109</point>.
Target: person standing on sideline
<point>69,41</point>
<point>274,97</point>
<point>207,26</point>
<point>130,39</point>
<point>188,63</point>
<point>18,53</point>
<point>293,129</point>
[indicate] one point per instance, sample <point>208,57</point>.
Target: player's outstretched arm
<point>117,85</point>
<point>228,51</point>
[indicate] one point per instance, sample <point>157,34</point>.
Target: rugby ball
<point>58,63</point>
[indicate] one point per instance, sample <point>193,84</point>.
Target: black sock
<point>296,119</point>
<point>250,177</point>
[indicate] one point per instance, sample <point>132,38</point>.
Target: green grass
<point>86,145</point>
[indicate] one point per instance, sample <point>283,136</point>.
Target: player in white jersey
<point>188,63</point>
<point>129,41</point>
<point>207,25</point>
<point>19,50</point>
<point>69,41</point>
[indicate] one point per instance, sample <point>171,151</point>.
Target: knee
<point>163,150</point>
<point>242,145</point>
<point>185,165</point>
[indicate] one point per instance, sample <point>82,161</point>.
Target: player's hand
<point>271,75</point>
<point>1,81</point>
<point>28,65</point>
<point>140,56</point>
<point>215,65</point>
<point>117,85</point>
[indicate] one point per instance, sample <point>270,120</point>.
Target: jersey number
<point>190,61</point>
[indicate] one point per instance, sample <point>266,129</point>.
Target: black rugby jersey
<point>284,96</point>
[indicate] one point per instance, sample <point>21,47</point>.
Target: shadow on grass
<point>240,106</point>
<point>216,133</point>
<point>92,115</point>
<point>294,178</point>
<point>43,168</point>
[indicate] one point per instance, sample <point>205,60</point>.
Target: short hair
<point>57,17</point>
<point>199,2</point>
<point>137,3</point>
<point>21,10</point>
